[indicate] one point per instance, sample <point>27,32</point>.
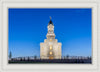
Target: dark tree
<point>35,57</point>
<point>10,55</point>
<point>64,57</point>
<point>67,56</point>
<point>28,58</point>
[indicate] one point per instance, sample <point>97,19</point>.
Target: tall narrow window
<point>50,47</point>
<point>50,40</point>
<point>50,53</point>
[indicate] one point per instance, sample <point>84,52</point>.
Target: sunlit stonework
<point>50,48</point>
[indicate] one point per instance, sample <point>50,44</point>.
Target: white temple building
<point>50,48</point>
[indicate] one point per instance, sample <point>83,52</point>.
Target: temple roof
<point>50,22</point>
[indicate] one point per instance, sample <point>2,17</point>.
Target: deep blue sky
<point>28,27</point>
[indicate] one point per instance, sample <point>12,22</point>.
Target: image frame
<point>11,67</point>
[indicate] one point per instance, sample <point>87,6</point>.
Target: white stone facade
<point>50,48</point>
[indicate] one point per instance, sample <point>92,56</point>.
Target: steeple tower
<point>50,34</point>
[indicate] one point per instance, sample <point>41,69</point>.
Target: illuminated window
<point>50,28</point>
<point>50,40</point>
<point>42,48</point>
<point>50,53</point>
<point>50,47</point>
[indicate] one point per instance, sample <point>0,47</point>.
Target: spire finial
<point>50,17</point>
<point>50,22</point>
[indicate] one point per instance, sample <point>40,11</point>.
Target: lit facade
<point>50,48</point>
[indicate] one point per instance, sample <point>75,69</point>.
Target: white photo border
<point>7,66</point>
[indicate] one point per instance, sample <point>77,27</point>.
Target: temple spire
<point>50,17</point>
<point>50,22</point>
